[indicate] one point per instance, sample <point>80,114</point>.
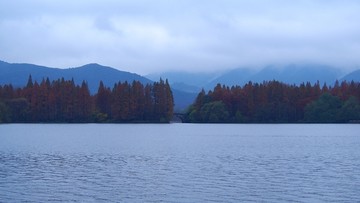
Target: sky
<point>146,36</point>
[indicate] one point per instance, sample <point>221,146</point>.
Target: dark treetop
<point>276,102</point>
<point>63,101</point>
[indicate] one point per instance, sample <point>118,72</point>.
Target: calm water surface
<point>179,163</point>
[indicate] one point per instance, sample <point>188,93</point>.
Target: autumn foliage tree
<point>64,101</point>
<point>276,102</point>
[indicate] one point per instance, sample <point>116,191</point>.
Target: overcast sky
<point>156,35</point>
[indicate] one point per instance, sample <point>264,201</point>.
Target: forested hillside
<point>63,101</point>
<point>276,102</point>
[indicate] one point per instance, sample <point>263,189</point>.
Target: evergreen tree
<point>278,102</point>
<point>103,100</point>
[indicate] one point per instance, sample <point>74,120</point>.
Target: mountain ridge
<point>289,74</point>
<point>17,74</point>
<point>354,75</point>
<point>185,85</point>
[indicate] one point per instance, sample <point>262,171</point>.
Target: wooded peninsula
<point>276,102</point>
<point>62,101</point>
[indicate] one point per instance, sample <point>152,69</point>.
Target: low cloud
<point>145,37</point>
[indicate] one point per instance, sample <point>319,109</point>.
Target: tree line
<point>64,101</point>
<point>276,102</point>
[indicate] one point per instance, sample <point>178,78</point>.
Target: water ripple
<point>231,172</point>
<point>102,178</point>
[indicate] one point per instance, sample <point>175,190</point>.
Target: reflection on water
<point>179,163</point>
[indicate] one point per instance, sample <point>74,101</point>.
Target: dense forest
<point>268,102</point>
<point>276,102</point>
<point>64,101</point>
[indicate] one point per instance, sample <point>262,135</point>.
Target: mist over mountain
<point>355,76</point>
<point>290,74</point>
<point>237,76</point>
<point>186,87</point>
<point>191,82</point>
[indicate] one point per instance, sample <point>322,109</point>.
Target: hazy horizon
<point>217,72</point>
<point>201,36</point>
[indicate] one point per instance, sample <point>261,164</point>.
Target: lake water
<point>179,163</point>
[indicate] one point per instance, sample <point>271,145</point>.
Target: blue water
<point>179,163</point>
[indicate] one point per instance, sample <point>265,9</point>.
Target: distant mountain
<point>353,76</point>
<point>185,78</point>
<point>17,74</point>
<point>291,74</point>
<point>186,87</point>
<point>237,76</point>
<point>183,99</point>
